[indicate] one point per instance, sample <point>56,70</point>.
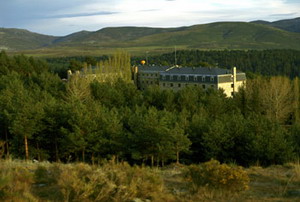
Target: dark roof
<point>198,70</point>
<point>152,68</point>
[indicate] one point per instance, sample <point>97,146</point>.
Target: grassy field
<point>27,181</point>
<point>83,51</point>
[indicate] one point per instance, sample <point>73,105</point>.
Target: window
<point>171,77</point>
<point>164,84</point>
<point>203,78</point>
<point>151,82</point>
<point>203,86</point>
<point>179,85</point>
<point>178,78</point>
<point>171,84</point>
<point>211,78</point>
<point>232,85</point>
<point>163,77</point>
<point>195,78</point>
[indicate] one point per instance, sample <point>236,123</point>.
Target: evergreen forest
<point>46,118</point>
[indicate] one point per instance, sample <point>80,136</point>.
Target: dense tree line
<point>45,118</point>
<point>264,62</point>
<point>259,62</point>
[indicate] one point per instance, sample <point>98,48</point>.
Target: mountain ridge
<point>291,25</point>
<point>218,35</point>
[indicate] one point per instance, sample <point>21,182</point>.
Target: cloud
<point>149,10</point>
<point>82,14</point>
<point>284,14</point>
<point>61,17</point>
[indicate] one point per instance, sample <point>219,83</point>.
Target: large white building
<point>176,78</point>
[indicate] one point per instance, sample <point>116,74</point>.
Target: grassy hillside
<point>19,39</point>
<point>137,40</point>
<point>229,35</point>
<point>291,25</point>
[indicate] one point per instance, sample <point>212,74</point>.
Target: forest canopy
<point>42,116</point>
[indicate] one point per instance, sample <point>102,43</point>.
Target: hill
<point>291,25</point>
<point>230,35</point>
<point>220,35</point>
<point>20,39</point>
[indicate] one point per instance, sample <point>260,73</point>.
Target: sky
<point>63,17</point>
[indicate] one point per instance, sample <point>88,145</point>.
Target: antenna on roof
<point>175,58</point>
<point>147,57</point>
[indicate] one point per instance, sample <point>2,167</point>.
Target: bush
<point>111,182</point>
<point>15,182</point>
<point>25,181</point>
<point>214,175</point>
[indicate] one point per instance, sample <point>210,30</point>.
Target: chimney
<point>234,79</point>
<point>69,73</point>
<point>135,74</point>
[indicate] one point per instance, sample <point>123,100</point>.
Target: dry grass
<point>275,183</point>
<point>26,181</point>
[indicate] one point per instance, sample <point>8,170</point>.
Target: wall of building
<point>146,79</point>
<point>227,87</point>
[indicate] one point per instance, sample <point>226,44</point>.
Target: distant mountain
<point>220,35</point>
<point>113,36</point>
<point>20,39</point>
<point>77,36</point>
<point>291,25</point>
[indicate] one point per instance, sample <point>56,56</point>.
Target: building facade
<point>176,78</point>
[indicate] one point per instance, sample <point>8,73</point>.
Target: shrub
<point>111,182</point>
<point>25,181</point>
<point>15,182</point>
<point>214,175</point>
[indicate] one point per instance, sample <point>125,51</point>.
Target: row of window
<point>151,75</point>
<point>149,82</point>
<point>179,85</point>
<point>186,78</point>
